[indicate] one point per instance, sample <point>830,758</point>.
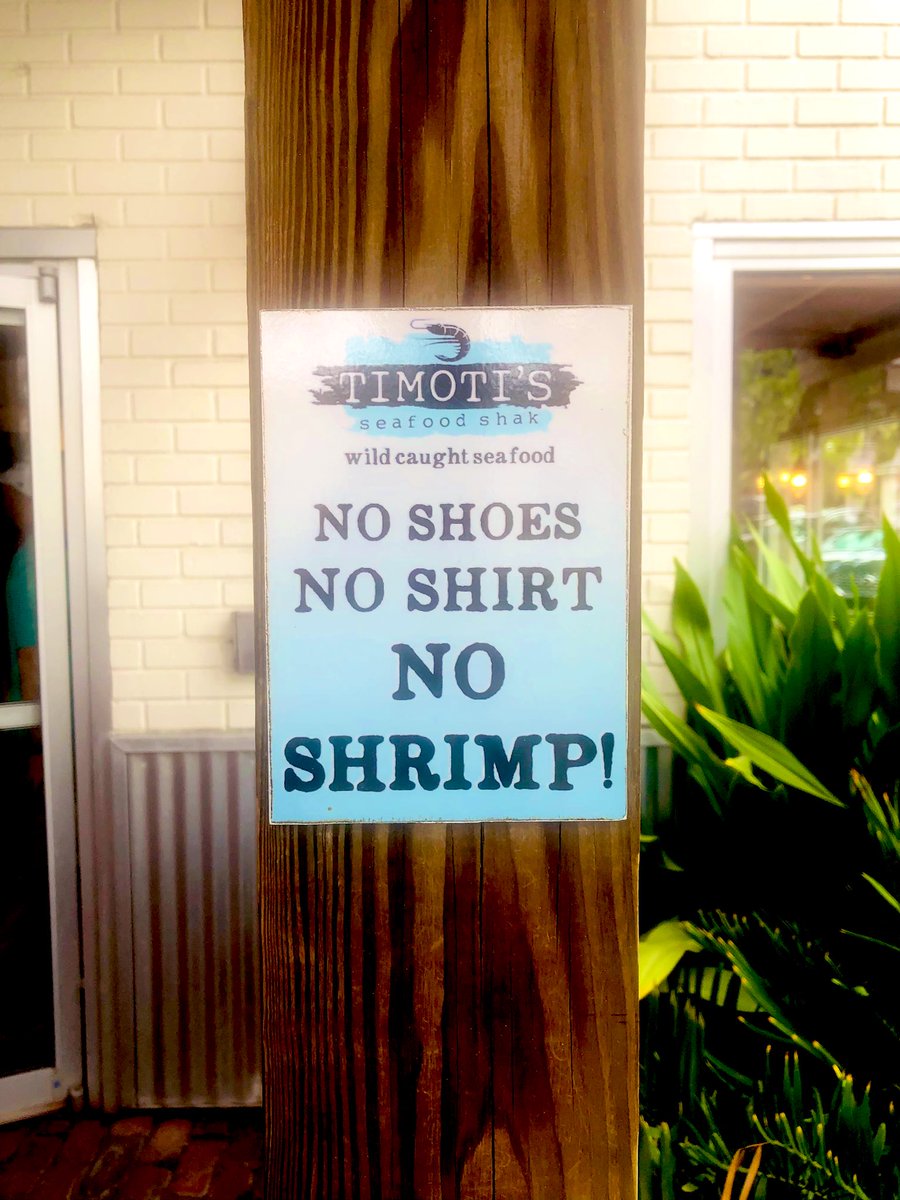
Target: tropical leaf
<point>759,992</point>
<point>690,685</point>
<point>785,590</point>
<point>813,670</point>
<point>691,625</point>
<point>742,764</point>
<point>883,753</point>
<point>784,585</point>
<point>882,816</point>
<point>752,1172</point>
<point>810,1138</point>
<point>711,771</point>
<point>883,892</point>
<point>887,608</point>
<point>742,653</point>
<point>718,985</point>
<point>779,513</point>
<point>768,754</point>
<point>794,907</point>
<point>834,604</point>
<point>659,953</point>
<point>756,622</point>
<point>859,675</point>
<point>656,1162</point>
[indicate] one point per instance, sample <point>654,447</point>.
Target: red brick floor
<point>138,1156</point>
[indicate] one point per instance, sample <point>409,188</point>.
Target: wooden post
<point>448,1011</point>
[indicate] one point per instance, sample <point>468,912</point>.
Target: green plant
<point>752,1172</point>
<point>771,892</point>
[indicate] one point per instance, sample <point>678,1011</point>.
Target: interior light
<point>760,483</point>
<point>843,481</point>
<point>865,476</point>
<point>798,481</point>
<point>785,476</point>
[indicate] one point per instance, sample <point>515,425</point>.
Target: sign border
<point>632,571</point>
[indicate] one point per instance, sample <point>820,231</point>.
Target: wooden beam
<point>448,1010</point>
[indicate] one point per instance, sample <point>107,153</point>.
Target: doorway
<point>40,969</point>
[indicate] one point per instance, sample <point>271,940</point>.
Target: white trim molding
<point>722,250</point>
<point>32,243</point>
<point>79,337</point>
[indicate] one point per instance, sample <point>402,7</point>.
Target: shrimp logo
<point>439,365</point>
<point>445,335</point>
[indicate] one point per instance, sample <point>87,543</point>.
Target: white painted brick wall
<point>128,114</point>
<point>757,110</point>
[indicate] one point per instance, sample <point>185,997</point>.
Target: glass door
<point>40,1043</point>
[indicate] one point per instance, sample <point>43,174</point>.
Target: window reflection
<point>817,409</point>
<point>26,982</point>
<point>18,608</point>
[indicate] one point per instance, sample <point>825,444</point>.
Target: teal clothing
<point>21,609</point>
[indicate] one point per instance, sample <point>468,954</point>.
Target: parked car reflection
<point>854,556</point>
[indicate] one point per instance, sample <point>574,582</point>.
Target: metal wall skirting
<point>189,985</point>
<point>179,1011</point>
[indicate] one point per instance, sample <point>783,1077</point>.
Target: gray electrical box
<point>244,643</point>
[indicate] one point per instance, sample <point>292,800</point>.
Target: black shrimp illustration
<point>445,335</point>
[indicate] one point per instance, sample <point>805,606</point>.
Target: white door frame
<point>722,250</point>
<point>45,1088</point>
<point>69,257</point>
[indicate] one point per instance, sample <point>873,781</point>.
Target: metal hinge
<point>48,291</point>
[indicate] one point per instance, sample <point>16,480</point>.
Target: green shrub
<point>770,891</point>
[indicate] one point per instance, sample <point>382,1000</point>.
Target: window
<point>816,408</point>
<point>797,376</point>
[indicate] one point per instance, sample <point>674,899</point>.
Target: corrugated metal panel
<point>181,1023</point>
<point>195,967</point>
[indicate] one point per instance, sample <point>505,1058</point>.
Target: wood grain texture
<point>448,1011</point>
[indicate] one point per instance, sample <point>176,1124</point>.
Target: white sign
<point>446,525</point>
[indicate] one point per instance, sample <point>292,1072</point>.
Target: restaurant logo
<point>409,376</point>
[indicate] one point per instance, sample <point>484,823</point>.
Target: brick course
<point>128,114</point>
<point>137,1157</point>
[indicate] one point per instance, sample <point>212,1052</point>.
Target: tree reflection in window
<point>832,447</point>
